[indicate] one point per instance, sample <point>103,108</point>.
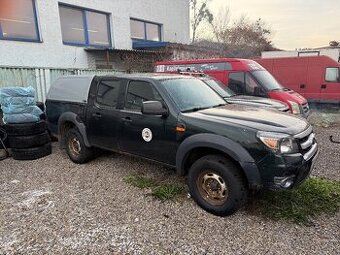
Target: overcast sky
<point>295,23</point>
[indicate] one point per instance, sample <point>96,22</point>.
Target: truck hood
<point>257,102</point>
<point>287,95</point>
<point>255,118</point>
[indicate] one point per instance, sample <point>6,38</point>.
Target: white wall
<point>173,14</point>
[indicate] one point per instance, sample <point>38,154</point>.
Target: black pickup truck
<point>224,149</point>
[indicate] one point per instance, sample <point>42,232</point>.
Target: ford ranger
<point>225,150</point>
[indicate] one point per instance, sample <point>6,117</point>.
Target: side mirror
<point>153,108</point>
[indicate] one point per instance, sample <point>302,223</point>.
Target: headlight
<point>295,107</point>
<point>278,142</point>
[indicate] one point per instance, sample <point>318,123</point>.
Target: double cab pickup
<point>225,150</point>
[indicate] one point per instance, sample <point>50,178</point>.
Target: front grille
<point>307,143</point>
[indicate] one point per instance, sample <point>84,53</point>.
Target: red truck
<point>243,76</point>
<point>314,77</point>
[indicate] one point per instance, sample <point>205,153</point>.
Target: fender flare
<point>225,145</point>
<point>73,118</point>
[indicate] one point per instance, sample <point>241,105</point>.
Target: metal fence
<point>41,78</point>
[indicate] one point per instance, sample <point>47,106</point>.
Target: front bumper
<point>285,172</point>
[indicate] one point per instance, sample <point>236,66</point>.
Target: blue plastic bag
<point>15,109</point>
<point>21,101</point>
<point>20,118</point>
<point>18,105</point>
<point>16,92</point>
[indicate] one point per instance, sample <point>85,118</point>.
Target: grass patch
<point>314,197</point>
<point>161,190</point>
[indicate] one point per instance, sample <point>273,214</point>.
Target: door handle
<point>323,86</point>
<point>127,119</point>
<point>96,115</point>
<point>302,86</point>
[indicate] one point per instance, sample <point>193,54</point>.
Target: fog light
<point>284,182</point>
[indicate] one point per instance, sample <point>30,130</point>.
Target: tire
<point>75,147</point>
<point>26,129</point>
<point>216,185</point>
<point>20,142</point>
<point>32,153</point>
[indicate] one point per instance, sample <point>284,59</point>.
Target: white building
<point>55,33</point>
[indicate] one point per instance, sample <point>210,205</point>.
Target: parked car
<point>317,78</point>
<point>225,150</point>
<point>231,98</point>
<point>243,76</point>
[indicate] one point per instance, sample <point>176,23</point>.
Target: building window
<point>82,27</point>
<point>18,20</point>
<point>143,30</point>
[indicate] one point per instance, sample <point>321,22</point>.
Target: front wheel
<point>75,147</point>
<point>217,185</point>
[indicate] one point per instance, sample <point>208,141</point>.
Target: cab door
<point>144,135</point>
<point>242,83</point>
<point>103,115</point>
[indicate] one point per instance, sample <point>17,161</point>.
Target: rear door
<point>103,115</point>
<point>330,89</point>
<point>141,134</point>
<point>314,80</point>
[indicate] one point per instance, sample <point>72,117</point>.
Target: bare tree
<point>220,24</point>
<point>244,38</point>
<point>200,13</point>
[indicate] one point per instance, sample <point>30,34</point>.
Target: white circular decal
<point>147,134</point>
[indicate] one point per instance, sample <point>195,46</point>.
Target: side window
<point>252,87</point>
<point>107,93</point>
<point>139,92</point>
<point>332,74</point>
<point>237,82</point>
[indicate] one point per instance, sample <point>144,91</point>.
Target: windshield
<point>192,94</point>
<point>220,88</point>
<point>267,80</point>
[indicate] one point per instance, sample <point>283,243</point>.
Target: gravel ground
<point>52,206</point>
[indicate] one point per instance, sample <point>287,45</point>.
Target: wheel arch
<point>70,120</point>
<point>197,146</point>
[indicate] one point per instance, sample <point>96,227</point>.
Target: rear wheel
<point>75,147</point>
<point>217,185</point>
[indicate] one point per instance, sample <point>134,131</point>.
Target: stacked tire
<point>29,141</point>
